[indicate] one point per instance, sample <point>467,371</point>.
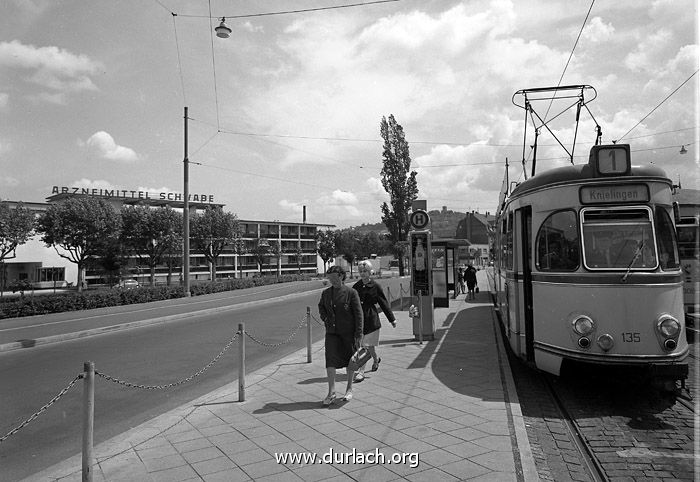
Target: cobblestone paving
<point>636,433</point>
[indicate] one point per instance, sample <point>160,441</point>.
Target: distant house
<point>475,228</point>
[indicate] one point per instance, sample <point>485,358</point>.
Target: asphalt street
<point>155,354</point>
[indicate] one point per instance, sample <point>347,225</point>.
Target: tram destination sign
<point>626,193</point>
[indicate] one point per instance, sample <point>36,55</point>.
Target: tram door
<point>523,223</point>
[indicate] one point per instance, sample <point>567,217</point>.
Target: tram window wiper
<point>634,259</point>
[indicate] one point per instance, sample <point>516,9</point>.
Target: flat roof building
<point>43,266</point>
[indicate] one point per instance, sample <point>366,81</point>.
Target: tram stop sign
<point>419,219</point>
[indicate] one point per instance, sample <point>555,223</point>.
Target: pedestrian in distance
<point>341,312</point>
<point>461,288</point>
<point>470,278</point>
<point>371,295</point>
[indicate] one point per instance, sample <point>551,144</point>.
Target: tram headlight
<point>668,326</point>
<point>606,342</point>
<point>583,325</point>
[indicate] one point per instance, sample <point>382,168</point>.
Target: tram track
<point>588,457</point>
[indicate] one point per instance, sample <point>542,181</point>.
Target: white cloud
<point>597,31</point>
<point>96,184</point>
<point>9,181</point>
<point>338,203</point>
<point>104,145</point>
<point>289,206</point>
<point>52,68</point>
<point>4,96</point>
<point>644,57</point>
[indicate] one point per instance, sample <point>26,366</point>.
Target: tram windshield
<point>615,239</point>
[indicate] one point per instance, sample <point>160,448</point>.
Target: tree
<point>348,245</point>
<point>399,182</point>
<point>326,247</point>
<point>16,227</point>
<point>82,227</point>
<point>298,253</point>
<point>240,248</point>
<point>276,251</point>
<point>211,232</point>
<point>260,251</point>
<point>151,234</point>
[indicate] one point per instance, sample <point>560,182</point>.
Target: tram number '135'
<point>630,337</point>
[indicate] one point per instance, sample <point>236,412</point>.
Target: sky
<point>286,112</point>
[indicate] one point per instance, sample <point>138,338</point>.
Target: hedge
<point>101,298</point>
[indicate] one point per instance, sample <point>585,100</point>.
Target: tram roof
<point>579,173</point>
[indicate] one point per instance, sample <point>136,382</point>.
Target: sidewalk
<point>451,401</point>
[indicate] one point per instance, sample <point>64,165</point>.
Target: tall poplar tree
<point>399,182</point>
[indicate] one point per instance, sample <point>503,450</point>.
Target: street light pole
<point>186,220</point>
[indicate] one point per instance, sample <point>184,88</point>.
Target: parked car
<point>128,283</point>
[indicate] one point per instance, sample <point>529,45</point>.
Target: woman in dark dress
<point>341,312</point>
<point>371,295</point>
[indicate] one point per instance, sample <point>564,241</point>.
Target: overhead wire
<point>585,20</point>
<point>213,63</point>
<point>659,105</point>
<point>304,10</point>
<point>179,61</point>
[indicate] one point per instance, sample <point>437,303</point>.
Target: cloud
<point>9,181</point>
<point>96,184</point>
<point>340,203</point>
<point>4,96</point>
<point>56,70</point>
<point>289,206</point>
<point>104,145</point>
<point>597,31</point>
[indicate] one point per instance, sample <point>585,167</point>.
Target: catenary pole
<point>186,220</point>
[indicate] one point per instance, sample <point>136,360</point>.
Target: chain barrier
<point>317,320</point>
<point>42,409</point>
<point>174,384</point>
<point>275,345</point>
<point>156,387</point>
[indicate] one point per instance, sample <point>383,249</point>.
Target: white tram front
<point>588,267</point>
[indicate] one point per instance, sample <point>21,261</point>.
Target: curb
<point>31,343</point>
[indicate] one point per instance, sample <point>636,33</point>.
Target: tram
<point>688,232</point>
<point>588,270</point>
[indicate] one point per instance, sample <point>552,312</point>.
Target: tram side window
<point>509,242</point>
<point>666,240</point>
<point>557,243</point>
<point>687,241</point>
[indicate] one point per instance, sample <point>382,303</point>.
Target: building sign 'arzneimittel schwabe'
<point>128,194</point>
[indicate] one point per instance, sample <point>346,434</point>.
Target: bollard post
<point>241,363</point>
<point>88,418</point>
<point>308,334</point>
<point>401,292</point>
<point>420,317</point>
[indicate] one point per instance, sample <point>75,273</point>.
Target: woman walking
<point>341,312</point>
<point>371,294</point>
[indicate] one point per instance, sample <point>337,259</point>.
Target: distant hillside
<point>443,224</point>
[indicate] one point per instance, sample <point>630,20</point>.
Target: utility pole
<point>186,220</point>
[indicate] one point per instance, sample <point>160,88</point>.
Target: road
<point>150,355</point>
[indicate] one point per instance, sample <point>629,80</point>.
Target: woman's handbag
<point>476,290</point>
<point>359,358</point>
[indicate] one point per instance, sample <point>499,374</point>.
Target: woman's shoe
<point>375,365</point>
<point>358,377</point>
<point>348,396</point>
<point>328,400</point>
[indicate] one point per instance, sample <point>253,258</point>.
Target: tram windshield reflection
<point>619,239</point>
